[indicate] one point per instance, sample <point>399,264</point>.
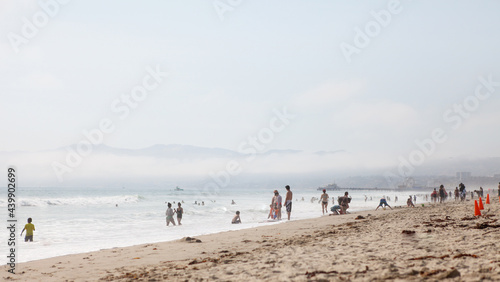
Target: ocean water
<point>77,220</point>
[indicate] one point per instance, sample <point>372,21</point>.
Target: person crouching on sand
<point>383,203</point>
<point>236,218</point>
<point>170,214</point>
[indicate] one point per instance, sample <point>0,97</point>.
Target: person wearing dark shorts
<point>324,201</point>
<point>383,203</point>
<point>179,212</point>
<point>29,227</point>
<point>344,203</point>
<point>288,201</point>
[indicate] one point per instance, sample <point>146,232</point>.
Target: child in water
<point>236,218</point>
<point>29,227</point>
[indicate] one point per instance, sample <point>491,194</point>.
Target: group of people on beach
<point>277,204</point>
<point>170,214</point>
<point>341,208</point>
<point>460,193</point>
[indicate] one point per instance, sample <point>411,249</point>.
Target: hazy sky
<point>367,77</point>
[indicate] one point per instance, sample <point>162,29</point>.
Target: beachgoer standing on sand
<point>434,196</point>
<point>442,194</point>
<point>236,218</point>
<point>383,203</point>
<point>409,203</point>
<point>29,227</point>
<point>170,214</point>
<point>344,202</point>
<point>278,202</point>
<point>498,189</point>
<point>179,212</point>
<point>272,212</point>
<point>324,201</point>
<point>288,201</point>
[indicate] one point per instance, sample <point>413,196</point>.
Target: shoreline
<point>269,224</point>
<point>246,225</point>
<point>327,247</point>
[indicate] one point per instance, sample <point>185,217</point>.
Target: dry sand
<point>435,242</point>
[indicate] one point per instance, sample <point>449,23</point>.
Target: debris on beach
<point>191,240</point>
<point>408,232</point>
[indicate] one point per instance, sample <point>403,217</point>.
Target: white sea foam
<point>76,201</point>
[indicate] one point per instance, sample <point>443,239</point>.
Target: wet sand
<point>435,242</point>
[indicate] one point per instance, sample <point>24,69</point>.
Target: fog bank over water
<point>171,165</point>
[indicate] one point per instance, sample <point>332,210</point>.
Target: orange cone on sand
<point>481,207</point>
<point>487,199</point>
<point>477,212</point>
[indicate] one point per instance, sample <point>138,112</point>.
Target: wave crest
<point>78,201</point>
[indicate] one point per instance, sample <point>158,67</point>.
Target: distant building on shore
<point>463,175</point>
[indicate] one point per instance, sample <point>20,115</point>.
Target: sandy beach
<point>435,242</point>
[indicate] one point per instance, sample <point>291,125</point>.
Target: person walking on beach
<point>170,214</point>
<point>383,203</point>
<point>498,189</point>
<point>324,201</point>
<point>179,212</point>
<point>29,227</point>
<point>288,201</point>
